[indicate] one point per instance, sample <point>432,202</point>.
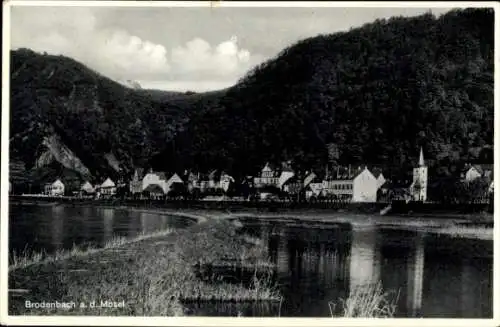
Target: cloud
<point>121,55</point>
<point>130,56</point>
<point>200,58</point>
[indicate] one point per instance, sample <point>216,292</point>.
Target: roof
<point>214,174</point>
<point>344,173</point>
<point>108,183</point>
<point>175,179</point>
<point>311,177</point>
<point>271,166</point>
<point>396,184</point>
<point>86,185</point>
<point>483,168</point>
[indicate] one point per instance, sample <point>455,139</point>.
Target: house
<point>214,179</point>
<point>225,181</point>
<point>87,188</point>
<point>107,188</point>
<point>418,188</point>
<point>269,176</point>
<point>377,172</point>
<point>293,185</point>
<point>54,189</point>
<point>314,190</point>
<point>398,190</point>
<point>158,178</point>
<point>313,186</point>
<point>285,175</point>
<point>472,172</point>
<point>136,182</point>
<point>193,181</point>
<point>175,179</point>
<point>356,185</point>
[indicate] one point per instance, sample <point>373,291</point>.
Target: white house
<point>356,185</point>
<point>364,187</point>
<point>108,187</point>
<point>54,189</point>
<point>269,176</point>
<point>472,173</point>
<point>87,188</point>
<point>418,188</point>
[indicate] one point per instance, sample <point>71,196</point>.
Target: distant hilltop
<point>131,84</point>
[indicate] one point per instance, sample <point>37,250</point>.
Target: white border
<point>211,321</point>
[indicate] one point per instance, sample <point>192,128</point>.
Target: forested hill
<point>66,117</point>
<point>374,94</point>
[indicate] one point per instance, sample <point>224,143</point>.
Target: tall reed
<point>367,301</point>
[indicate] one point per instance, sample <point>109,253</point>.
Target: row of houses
<point>57,188</point>
<point>354,184</point>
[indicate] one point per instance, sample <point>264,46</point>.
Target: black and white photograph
<point>243,160</point>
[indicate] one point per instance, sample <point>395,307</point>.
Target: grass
<point>152,275</point>
<point>27,258</point>
<point>367,301</point>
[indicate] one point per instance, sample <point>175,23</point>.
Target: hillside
<point>66,114</point>
<point>374,94</point>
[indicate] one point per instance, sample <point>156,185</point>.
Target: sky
<point>180,49</point>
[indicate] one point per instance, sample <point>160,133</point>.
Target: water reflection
<point>48,228</point>
<point>108,216</point>
<point>364,258</point>
<point>319,265</point>
<point>57,226</point>
<point>415,277</point>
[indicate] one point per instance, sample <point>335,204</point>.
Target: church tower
<point>419,185</point>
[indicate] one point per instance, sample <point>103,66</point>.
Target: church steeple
<point>421,162</point>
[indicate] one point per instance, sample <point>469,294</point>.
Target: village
<point>360,184</point>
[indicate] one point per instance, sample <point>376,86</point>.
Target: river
<point>429,275</point>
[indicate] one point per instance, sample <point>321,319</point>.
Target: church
<point>418,188</point>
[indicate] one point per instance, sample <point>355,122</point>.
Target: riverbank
<point>474,226</point>
<point>467,225</point>
<point>151,276</point>
<point>330,206</point>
